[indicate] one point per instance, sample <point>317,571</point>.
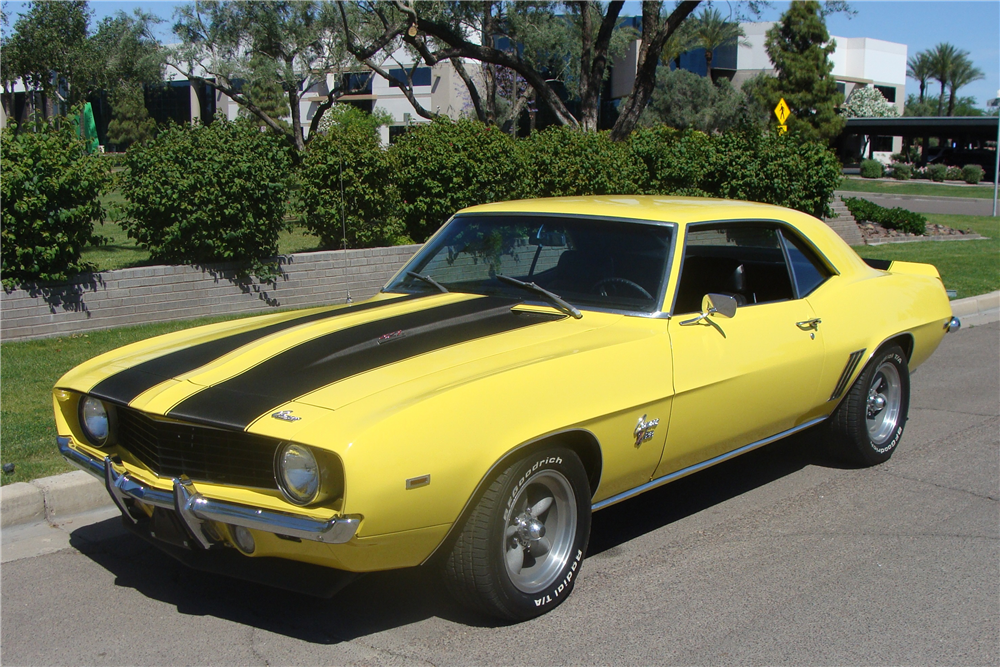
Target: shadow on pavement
<point>385,600</point>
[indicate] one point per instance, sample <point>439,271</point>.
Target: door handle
<point>809,325</point>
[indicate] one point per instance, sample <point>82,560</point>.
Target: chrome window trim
<point>781,224</point>
<point>661,294</point>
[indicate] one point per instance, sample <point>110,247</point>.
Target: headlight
<point>94,421</point>
<point>298,474</point>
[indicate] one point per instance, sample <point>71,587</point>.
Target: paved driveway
<point>779,557</point>
<point>924,204</point>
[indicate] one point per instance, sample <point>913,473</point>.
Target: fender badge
<point>644,430</point>
<point>385,338</point>
<point>286,415</point>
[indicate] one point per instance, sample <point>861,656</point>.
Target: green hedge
<point>445,165</point>
<point>936,172</point>
<point>210,193</point>
<point>890,218</point>
<point>562,162</point>
<point>675,162</point>
<point>349,155</point>
<point>872,169</point>
<point>901,171</point>
<point>50,189</point>
<point>972,173</point>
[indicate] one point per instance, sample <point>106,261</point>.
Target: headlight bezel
<point>109,416</point>
<point>329,475</point>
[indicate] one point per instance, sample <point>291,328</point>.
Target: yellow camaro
<point>535,361</point>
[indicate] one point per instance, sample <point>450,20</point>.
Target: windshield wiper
<point>560,303</point>
<point>427,279</point>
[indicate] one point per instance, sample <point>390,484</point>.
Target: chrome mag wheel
<point>540,531</point>
<point>883,406</point>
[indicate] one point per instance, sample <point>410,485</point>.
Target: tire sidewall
<point>527,605</point>
<point>869,451</point>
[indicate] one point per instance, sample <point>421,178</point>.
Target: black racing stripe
<point>238,401</point>
<point>124,386</point>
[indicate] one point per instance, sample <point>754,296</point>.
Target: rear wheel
<point>869,422</point>
<point>521,549</point>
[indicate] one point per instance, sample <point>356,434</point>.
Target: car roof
<point>641,207</point>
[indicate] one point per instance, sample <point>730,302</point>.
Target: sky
<point>972,26</point>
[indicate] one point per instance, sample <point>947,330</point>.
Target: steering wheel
<point>601,286</point>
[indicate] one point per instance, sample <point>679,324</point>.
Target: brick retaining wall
<point>163,293</point>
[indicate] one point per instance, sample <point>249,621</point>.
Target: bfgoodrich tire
<point>868,423</point>
<point>521,549</point>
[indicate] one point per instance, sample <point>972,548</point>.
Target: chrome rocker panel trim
<point>660,481</point>
<point>192,508</point>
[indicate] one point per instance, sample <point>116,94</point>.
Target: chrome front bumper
<point>193,509</point>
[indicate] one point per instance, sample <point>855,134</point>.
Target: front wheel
<point>868,423</point>
<point>521,549</point>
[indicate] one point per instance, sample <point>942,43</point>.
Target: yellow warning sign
<point>782,129</point>
<point>782,111</point>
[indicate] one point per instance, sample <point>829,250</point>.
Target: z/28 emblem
<point>285,415</point>
<point>644,430</point>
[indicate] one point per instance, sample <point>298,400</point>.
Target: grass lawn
<point>969,267</point>
<point>920,187</point>
<point>28,371</point>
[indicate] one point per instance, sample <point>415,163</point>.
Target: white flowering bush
<point>868,102</point>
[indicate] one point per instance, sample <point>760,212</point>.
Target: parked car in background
<point>534,362</point>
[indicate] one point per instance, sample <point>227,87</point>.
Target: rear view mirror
<point>718,304</point>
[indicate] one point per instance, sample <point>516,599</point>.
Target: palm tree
<point>711,31</point>
<point>919,67</point>
<point>943,58</point>
<point>681,41</point>
<point>962,73</point>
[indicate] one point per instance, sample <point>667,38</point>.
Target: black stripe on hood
<point>124,386</point>
<point>238,401</point>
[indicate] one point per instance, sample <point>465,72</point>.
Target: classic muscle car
<point>534,362</point>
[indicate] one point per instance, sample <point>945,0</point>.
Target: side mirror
<point>722,305</point>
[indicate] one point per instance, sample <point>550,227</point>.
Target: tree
<point>438,32</point>
<point>264,88</point>
<point>299,41</point>
<point>684,100</point>
<point>868,102</point>
<point>131,122</point>
<point>711,30</point>
<point>943,58</point>
<point>962,73</point>
<point>799,46</point>
<point>918,67</point>
<point>49,43</point>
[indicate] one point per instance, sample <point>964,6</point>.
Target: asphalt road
<point>780,557</point>
<point>927,204</point>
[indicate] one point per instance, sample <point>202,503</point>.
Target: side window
<point>742,259</point>
<point>808,271</point>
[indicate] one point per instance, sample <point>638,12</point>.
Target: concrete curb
<point>53,499</point>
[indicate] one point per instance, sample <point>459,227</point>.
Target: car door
<point>739,380</point>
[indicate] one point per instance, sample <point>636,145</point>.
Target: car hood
<point>231,375</point>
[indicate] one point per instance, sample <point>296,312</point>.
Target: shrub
<point>953,174</point>
<point>208,193</point>
<point>901,172</point>
<point>764,167</point>
<point>972,173</point>
<point>890,218</point>
<point>351,152</point>
<point>446,165</point>
<point>560,161</point>
<point>872,169</point>
<point>936,172</point>
<point>50,189</point>
<point>674,162</point>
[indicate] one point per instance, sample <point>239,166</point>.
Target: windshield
<point>609,264</point>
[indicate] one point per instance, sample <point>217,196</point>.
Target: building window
<point>842,88</point>
<point>421,77</point>
<point>888,92</point>
<point>882,144</point>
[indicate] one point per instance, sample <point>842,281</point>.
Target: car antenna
<point>343,223</point>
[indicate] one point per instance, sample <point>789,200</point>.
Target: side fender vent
<point>852,363</point>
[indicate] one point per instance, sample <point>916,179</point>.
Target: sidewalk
<point>57,501</point>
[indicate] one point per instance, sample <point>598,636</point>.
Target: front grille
<point>172,449</point>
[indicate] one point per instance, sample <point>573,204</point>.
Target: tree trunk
<point>649,56</point>
<point>708,64</point>
<point>594,59</point>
